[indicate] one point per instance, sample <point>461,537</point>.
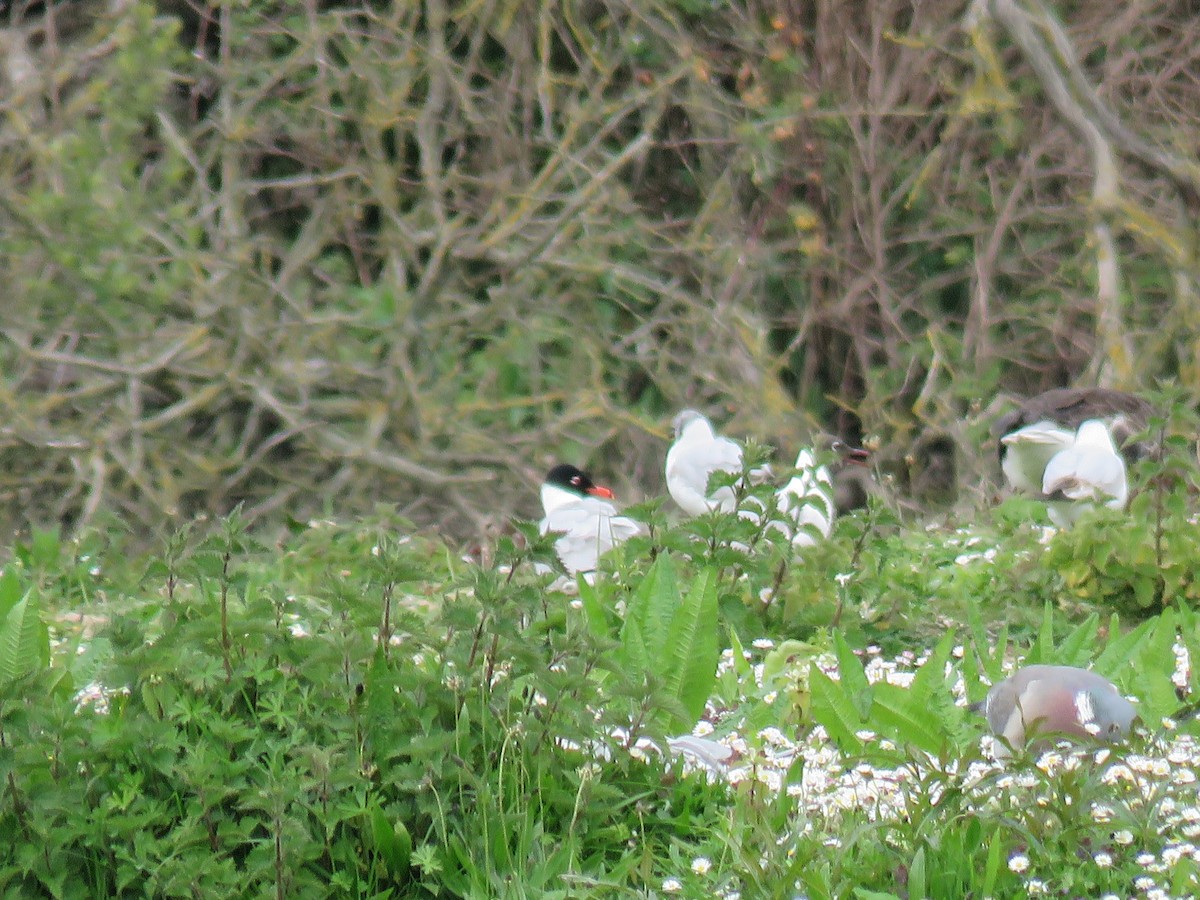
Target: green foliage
<point>882,582</point>
<point>341,735</point>
<point>360,711</point>
<point>668,636</point>
<point>1141,661</point>
<point>24,641</point>
<point>289,262</point>
<point>691,668</point>
<point>920,715</point>
<point>1141,560</point>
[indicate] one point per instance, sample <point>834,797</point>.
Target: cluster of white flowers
<point>828,785</point>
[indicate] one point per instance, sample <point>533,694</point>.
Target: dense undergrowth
<point>360,711</point>
<point>302,258</point>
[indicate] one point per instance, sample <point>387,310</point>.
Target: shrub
<point>339,719</point>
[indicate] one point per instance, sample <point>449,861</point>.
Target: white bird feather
<point>807,500</point>
<point>1087,472</point>
<point>697,453</point>
<point>805,503</point>
<point>590,527</point>
<point>1028,452</point>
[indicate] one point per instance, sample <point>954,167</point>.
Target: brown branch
<point>323,435</point>
<point>1115,366</point>
<point>196,340</point>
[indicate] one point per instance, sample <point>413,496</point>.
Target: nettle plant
<point>350,713</point>
<point>961,823</point>
<point>360,710</point>
<point>670,599</point>
<point>1143,559</point>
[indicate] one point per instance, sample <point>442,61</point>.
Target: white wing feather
<point>590,527</point>
<point>692,459</point>
<point>1029,451</point>
<point>807,499</point>
<point>1089,471</point>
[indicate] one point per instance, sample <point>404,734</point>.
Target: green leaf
<point>978,632</point>
<point>932,674</point>
<point>897,714</point>
<point>1183,877</point>
<point>741,665</point>
<point>915,715</point>
<point>393,842</point>
<point>593,611</point>
<point>1159,650</point>
<point>833,708</point>
<point>1154,664</point>
<point>1121,648</point>
<point>692,651</point>
<point>853,677</point>
<point>780,660</point>
<point>1190,632</point>
<point>761,715</point>
<point>154,699</point>
<point>24,640</point>
<point>916,875</point>
<point>1079,647</point>
<point>1042,650</point>
<point>634,653</point>
<point>10,590</point>
<point>654,603</point>
<point>45,548</point>
<point>991,661</point>
<point>995,666</point>
<point>991,869</point>
<point>973,676</point>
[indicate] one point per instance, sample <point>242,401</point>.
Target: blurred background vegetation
<point>311,256</point>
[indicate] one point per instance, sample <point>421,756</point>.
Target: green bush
<point>337,719</point>
<point>1136,561</point>
<point>359,711</point>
